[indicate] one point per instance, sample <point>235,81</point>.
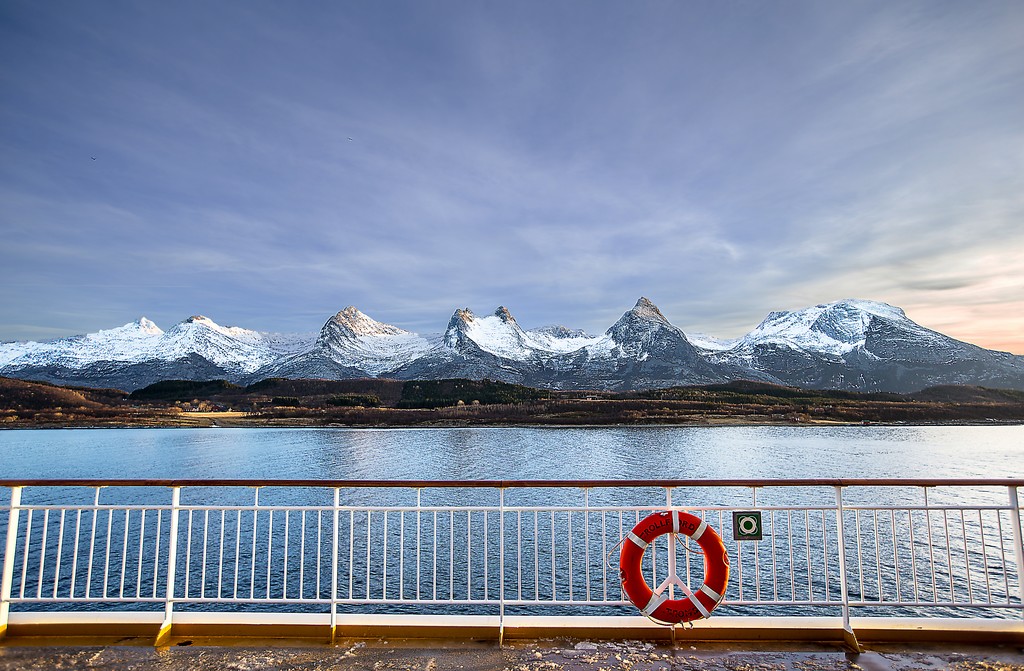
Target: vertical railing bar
<point>792,565</point>
<point>536,556</point>
<point>368,525</point>
<point>106,558</point>
<point>486,552</point>
<point>252,563</point>
<point>686,549</point>
<point>284,570</point>
<point>188,553</point>
<point>25,553</point>
<point>775,567</point>
<point>895,554</point>
<point>156,558</point>
<point>913,555</point>
<point>671,556</point>
<point>721,524</point>
<point>501,565</point>
<point>841,541</point>
<point>984,558</point>
<point>418,532</point>
<point>843,591</point>
<point>238,552</point>
<point>320,550</point>
<point>654,560</point>
<point>931,546</point>
<point>604,556</point>
<point>824,559</point>
<point>586,538</point>
<point>351,554</point>
<point>60,553</point>
<point>568,537</point>
<point>621,535</point>
<point>138,572</point>
<point>384,559</point>
<point>42,554</point>
<point>74,552</point>
<point>878,555</point>
<point>757,572</point>
<point>807,542</point>
<point>270,547</point>
<point>949,553</point>
<point>1018,544</point>
<point>124,555</point>
<point>7,579</point>
<point>739,569</point>
<point>433,557</point>
<point>92,543</point>
<point>469,556</point>
<point>334,561</point>
<point>302,555</point>
<point>519,555</point>
<point>451,555</point>
<point>1002,556</point>
<point>172,555</point>
<point>967,557</point>
<point>401,555</point>
<point>554,584</point>
<point>220,556</point>
<point>202,572</point>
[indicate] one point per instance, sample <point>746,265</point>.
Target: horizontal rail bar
<point>517,484</point>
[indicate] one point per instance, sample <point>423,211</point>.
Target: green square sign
<point>746,526</point>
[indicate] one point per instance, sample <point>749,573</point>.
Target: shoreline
<point>724,422</point>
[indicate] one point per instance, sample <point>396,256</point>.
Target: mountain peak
<point>504,315</point>
<point>145,325</point>
<point>642,318</point>
<point>646,309</point>
<point>876,308</point>
<point>351,323</point>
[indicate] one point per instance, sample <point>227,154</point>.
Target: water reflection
<point>516,453</point>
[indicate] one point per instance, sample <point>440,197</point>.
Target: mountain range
<point>855,345</point>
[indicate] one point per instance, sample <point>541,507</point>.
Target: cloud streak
<point>723,160</point>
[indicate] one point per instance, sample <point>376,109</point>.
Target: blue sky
<point>268,164</point>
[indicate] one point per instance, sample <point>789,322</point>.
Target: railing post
<point>6,585</point>
<point>172,555</point>
<point>334,564</point>
<point>501,566</point>
<point>849,637</point>
<point>1018,543</point>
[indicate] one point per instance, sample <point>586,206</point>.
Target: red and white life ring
<point>697,604</point>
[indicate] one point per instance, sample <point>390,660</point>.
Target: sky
<point>268,163</point>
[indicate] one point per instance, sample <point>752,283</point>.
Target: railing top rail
<point>516,484</point>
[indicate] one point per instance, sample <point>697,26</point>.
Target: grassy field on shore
<point>374,402</point>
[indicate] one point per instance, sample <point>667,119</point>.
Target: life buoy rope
<point>655,604</point>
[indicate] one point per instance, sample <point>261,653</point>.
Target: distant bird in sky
<point>93,157</point>
<point>350,139</point>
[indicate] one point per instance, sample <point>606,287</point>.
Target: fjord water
<point>612,453</point>
<point>756,452</point>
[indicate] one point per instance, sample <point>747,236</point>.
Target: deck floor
<point>541,655</point>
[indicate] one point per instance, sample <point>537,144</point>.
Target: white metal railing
<point>891,547</point>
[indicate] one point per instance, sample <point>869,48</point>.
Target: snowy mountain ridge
<point>847,344</point>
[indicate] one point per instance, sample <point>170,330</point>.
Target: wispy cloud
<point>267,165</point>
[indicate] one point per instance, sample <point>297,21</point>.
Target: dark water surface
<point>612,453</point>
<point>517,453</point>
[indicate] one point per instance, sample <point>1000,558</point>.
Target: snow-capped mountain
<point>132,342</point>
<point>864,346</point>
<point>849,344</point>
<point>140,353</point>
<point>498,334</point>
<point>640,350</point>
<point>352,344</point>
